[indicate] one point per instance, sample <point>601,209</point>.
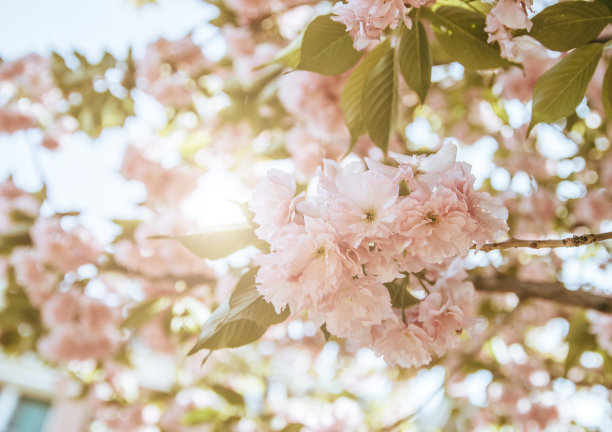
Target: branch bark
<point>574,241</point>
<point>553,291</point>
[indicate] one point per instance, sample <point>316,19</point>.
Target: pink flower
<point>38,282</point>
<point>358,305</point>
<point>442,320</point>
<point>13,119</point>
<point>80,328</point>
<point>273,203</point>
<point>315,99</point>
<point>366,19</point>
<point>517,83</point>
<point>167,187</point>
<point>64,250</point>
<point>167,68</point>
<point>362,206</point>
<point>512,14</point>
<point>332,251</point>
<point>437,225</point>
<point>305,265</point>
<point>405,345</point>
<point>159,258</point>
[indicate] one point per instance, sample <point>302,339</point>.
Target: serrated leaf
<point>218,242</point>
<point>379,100</point>
<point>558,92</point>
<point>350,101</point>
<point>414,59</point>
<point>568,25</point>
<point>606,92</point>
<point>327,48</point>
<point>243,319</point>
<point>461,34</point>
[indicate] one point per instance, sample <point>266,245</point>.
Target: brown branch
<point>554,291</point>
<point>574,241</point>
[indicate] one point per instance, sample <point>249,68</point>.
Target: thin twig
<point>574,241</point>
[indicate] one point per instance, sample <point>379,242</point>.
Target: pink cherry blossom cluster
<point>80,327</point>
<point>156,258</point>
<point>332,253</point>
<point>168,68</point>
<point>166,187</point>
<point>509,15</point>
<point>367,19</point>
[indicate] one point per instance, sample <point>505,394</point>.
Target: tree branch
<point>554,291</point>
<point>574,241</point>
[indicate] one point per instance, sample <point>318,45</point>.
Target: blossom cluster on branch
<point>332,253</point>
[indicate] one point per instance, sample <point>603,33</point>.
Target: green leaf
<point>415,59</point>
<point>607,3</point>
<point>400,297</point>
<point>241,320</point>
<point>290,55</point>
<point>353,90</point>
<point>568,25</point>
<point>17,234</point>
<point>293,427</point>
<point>327,48</point>
<point>606,92</point>
<point>461,34</point>
<point>144,312</point>
<point>218,242</point>
<point>229,395</point>
<point>201,415</point>
<point>379,100</point>
<point>578,339</point>
<point>557,93</point>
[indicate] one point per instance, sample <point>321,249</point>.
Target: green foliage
<point>579,340</point>
<point>17,235</point>
<point>568,25</point>
<point>246,102</point>
<point>94,109</point>
<point>144,312</point>
<point>414,59</point>
<point>558,92</point>
<point>461,34</point>
<point>606,91</point>
<point>379,100</point>
<point>327,48</point>
<point>293,427</point>
<point>241,320</point>
<point>290,55</point>
<point>20,322</point>
<point>350,101</point>
<point>400,297</point>
<point>218,242</point>
<point>229,395</point>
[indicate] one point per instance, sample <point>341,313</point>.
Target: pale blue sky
<point>92,26</point>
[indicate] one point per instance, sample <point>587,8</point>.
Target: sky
<point>82,174</point>
<point>62,25</point>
